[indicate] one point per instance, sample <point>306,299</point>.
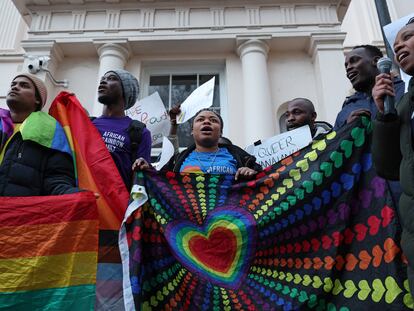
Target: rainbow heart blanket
<point>315,231</point>
<point>48,252</point>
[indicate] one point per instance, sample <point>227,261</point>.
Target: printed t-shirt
<point>220,162</point>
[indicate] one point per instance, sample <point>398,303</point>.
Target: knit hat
<point>39,85</point>
<point>130,86</point>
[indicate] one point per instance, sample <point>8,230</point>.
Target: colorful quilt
<point>316,231</point>
<point>97,172</point>
<point>48,252</point>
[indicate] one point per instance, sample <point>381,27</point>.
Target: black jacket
<point>242,158</point>
<point>29,169</point>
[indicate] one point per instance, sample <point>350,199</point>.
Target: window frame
<point>186,68</point>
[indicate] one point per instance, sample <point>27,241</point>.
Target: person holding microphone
<point>393,138</point>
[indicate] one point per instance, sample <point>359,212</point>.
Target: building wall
<point>302,44</point>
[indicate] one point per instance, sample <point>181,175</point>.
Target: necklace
<point>203,168</point>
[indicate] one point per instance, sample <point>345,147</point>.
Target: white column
<point>111,56</point>
<point>258,111</point>
<point>332,84</point>
<point>55,54</point>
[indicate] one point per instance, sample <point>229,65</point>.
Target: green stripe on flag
<point>68,298</point>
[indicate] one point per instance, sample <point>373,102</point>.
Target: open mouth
<point>12,94</point>
<point>352,75</point>
<point>206,130</point>
<point>401,56</point>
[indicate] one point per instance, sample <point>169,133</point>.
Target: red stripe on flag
<point>45,210</point>
<point>96,169</point>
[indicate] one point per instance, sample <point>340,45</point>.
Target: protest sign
<point>276,148</point>
<point>200,98</point>
<point>151,111</point>
<point>167,152</point>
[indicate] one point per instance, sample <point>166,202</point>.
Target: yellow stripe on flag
<point>47,272</point>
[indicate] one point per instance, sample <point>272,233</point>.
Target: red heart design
<point>361,231</point>
<point>298,247</point>
<point>365,260</point>
<point>377,252</point>
<point>318,263</point>
<point>348,236</point>
<point>274,176</point>
<point>391,250</point>
<point>337,238</point>
<point>265,190</point>
<point>287,161</point>
<point>387,215</point>
<point>289,248</point>
<point>306,246</point>
<point>298,263</point>
<point>217,251</point>
<point>186,179</point>
<point>351,262</point>
<point>339,262</point>
<point>269,182</point>
<point>282,249</point>
<point>283,262</point>
<point>170,175</point>
<point>290,262</point>
<point>260,196</point>
<point>326,242</point>
<point>329,262</point>
<point>315,244</point>
<point>374,225</point>
<point>307,263</point>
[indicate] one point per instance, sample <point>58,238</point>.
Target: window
<point>175,88</point>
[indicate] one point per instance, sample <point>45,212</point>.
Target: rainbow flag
<point>317,231</point>
<point>97,172</point>
<point>48,252</point>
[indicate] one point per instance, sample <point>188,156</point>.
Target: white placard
<point>166,153</point>
<point>276,148</point>
<point>151,111</point>
<point>200,98</point>
<point>391,31</point>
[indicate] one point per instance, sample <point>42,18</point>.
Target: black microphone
<point>384,65</point>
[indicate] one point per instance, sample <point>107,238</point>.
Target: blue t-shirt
<point>220,162</point>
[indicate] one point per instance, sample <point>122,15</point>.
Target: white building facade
<point>262,53</point>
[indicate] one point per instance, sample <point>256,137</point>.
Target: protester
<point>393,145</point>
<point>207,155</point>
<point>125,139</point>
<point>173,137</point>
<point>361,70</point>
<point>35,156</point>
<point>300,112</point>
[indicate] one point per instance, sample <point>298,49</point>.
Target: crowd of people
<point>31,165</point>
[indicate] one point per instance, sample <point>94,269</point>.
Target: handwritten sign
<point>200,98</point>
<point>272,150</point>
<point>151,111</point>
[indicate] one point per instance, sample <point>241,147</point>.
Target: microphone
<point>384,65</point>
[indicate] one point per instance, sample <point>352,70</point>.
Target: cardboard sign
<point>276,148</point>
<point>200,98</point>
<point>151,111</point>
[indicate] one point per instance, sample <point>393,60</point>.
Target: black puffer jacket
<point>29,169</point>
<point>242,158</point>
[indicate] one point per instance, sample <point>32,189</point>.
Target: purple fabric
<point>115,135</point>
<point>6,124</point>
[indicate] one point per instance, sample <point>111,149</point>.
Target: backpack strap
<point>134,130</point>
